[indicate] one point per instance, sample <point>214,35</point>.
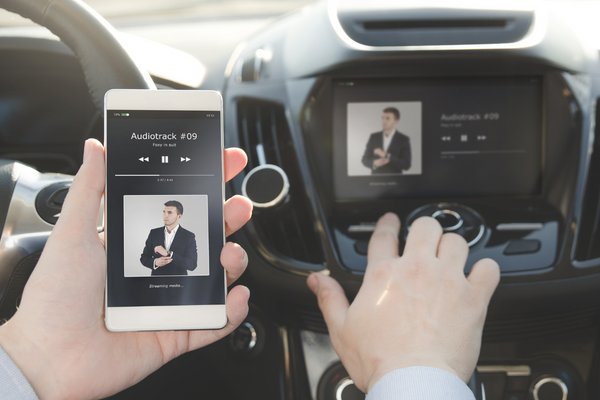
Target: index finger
<point>384,240</point>
<point>423,237</point>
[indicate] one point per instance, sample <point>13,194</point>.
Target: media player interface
<point>164,201</point>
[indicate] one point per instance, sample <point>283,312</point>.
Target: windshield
<point>124,12</point>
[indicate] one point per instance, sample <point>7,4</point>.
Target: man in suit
<point>170,250</point>
<point>388,151</point>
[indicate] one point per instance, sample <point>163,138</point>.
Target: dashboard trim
<point>534,37</point>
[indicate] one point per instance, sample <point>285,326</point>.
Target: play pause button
<point>185,159</point>
<point>144,159</point>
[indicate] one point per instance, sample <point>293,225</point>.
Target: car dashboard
<point>500,109</point>
<point>499,106</point>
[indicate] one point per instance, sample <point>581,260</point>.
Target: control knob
<point>266,186</point>
<point>243,339</point>
<point>550,388</point>
<point>453,217</point>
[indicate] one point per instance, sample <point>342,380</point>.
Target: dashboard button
<point>515,247</point>
<point>368,227</point>
<point>361,247</point>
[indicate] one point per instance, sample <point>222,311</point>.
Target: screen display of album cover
<point>437,137</point>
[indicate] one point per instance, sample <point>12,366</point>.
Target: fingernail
<point>86,150</point>
<point>313,283</point>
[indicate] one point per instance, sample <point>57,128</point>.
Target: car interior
<point>498,99</point>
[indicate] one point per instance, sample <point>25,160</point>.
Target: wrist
<point>385,369</point>
<point>34,362</point>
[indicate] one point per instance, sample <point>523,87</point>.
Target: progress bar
<point>483,152</point>
<point>164,175</point>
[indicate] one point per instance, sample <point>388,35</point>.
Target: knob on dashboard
<point>450,220</point>
<point>347,390</point>
<point>266,186</point>
<point>453,217</point>
<point>550,388</point>
<point>336,384</point>
<point>243,339</point>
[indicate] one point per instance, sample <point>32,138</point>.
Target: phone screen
<point>164,207</point>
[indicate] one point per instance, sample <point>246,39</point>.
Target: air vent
<point>588,238</point>
<point>435,24</point>
<point>398,25</point>
<point>289,230</point>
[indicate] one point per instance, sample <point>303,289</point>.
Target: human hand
<point>380,162</point>
<point>58,338</point>
<point>414,310</point>
<point>161,250</point>
<point>379,152</point>
<point>162,261</point>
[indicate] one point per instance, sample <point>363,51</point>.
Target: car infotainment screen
<point>437,137</point>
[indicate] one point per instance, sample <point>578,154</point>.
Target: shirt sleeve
<point>13,384</point>
<point>423,383</point>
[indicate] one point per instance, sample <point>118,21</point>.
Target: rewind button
<point>144,159</point>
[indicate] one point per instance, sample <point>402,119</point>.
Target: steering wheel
<point>30,201</point>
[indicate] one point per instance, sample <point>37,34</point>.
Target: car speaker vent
<point>436,24</point>
<point>288,229</point>
<point>588,238</point>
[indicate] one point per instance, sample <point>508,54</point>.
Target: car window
<point>124,12</point>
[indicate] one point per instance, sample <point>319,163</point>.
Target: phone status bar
<point>161,114</point>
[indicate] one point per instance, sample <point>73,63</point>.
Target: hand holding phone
<point>58,339</point>
<point>164,210</point>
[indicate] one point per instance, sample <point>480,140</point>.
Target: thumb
<point>82,203</point>
<point>332,300</point>
<point>485,276</point>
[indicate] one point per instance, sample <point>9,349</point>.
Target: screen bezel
<point>156,318</point>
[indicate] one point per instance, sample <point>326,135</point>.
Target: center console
<point>486,156</point>
<point>494,140</point>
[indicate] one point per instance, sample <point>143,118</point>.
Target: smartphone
<point>164,227</point>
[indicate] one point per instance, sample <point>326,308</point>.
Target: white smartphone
<point>164,227</point>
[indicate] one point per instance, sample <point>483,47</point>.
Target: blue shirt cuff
<point>13,384</point>
<point>423,383</point>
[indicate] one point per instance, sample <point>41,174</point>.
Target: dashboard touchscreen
<point>437,137</point>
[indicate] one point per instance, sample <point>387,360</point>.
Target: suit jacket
<point>185,252</point>
<point>398,152</point>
